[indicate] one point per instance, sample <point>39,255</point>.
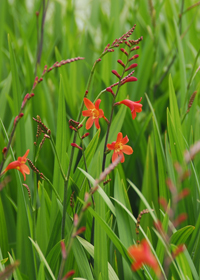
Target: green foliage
<point>33,217</point>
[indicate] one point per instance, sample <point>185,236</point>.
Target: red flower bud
<point>45,70</point>
<point>76,146</point>
<point>116,74</point>
<point>35,83</point>
<point>106,48</point>
<point>75,220</point>
<point>4,150</point>
<point>124,51</point>
<point>135,48</point>
<point>121,62</point>
<point>63,250</point>
<point>69,274</point>
<point>131,66</point>
<point>133,57</point>
<point>127,43</point>
<point>129,79</point>
<point>79,231</point>
<point>181,218</point>
<point>178,250</point>
<point>85,135</point>
<point>109,89</point>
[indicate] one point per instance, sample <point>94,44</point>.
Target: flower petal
<point>114,156</point>
<point>136,265</point>
<point>127,150</point>
<point>23,159</point>
<point>97,104</point>
<point>133,114</point>
<point>12,165</point>
<point>101,113</point>
<point>25,169</point>
<point>26,154</point>
<point>111,146</point>
<point>88,103</point>
<point>125,140</point>
<point>139,100</point>
<point>119,137</point>
<point>96,122</point>
<point>89,123</point>
<point>128,103</point>
<point>120,154</point>
<point>87,113</point>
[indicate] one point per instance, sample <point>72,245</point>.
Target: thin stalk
<point>195,61</point>
<point>85,163</point>
<point>54,190</point>
<point>55,151</point>
<point>111,116</point>
<point>74,231</point>
<point>72,151</point>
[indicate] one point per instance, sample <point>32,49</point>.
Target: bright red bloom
<point>93,112</point>
<point>142,255</point>
<point>20,165</point>
<point>119,147</point>
<point>135,106</point>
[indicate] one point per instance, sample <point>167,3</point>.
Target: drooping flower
<point>119,147</point>
<point>93,112</point>
<point>135,106</point>
<point>20,165</point>
<point>142,255</point>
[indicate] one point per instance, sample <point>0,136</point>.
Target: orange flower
<point>142,255</point>
<point>20,165</point>
<point>93,112</point>
<point>135,107</point>
<point>119,147</point>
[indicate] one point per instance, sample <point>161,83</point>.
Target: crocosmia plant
<point>100,140</point>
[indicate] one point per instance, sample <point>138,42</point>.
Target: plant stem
<point>111,116</point>
<point>72,151</point>
<point>55,151</point>
<point>73,233</point>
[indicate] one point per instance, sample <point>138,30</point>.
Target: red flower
<point>119,147</point>
<point>142,255</point>
<point>135,107</point>
<point>93,112</point>
<point>20,165</point>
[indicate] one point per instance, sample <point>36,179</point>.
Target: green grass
<point>167,73</point>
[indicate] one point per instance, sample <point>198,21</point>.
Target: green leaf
<point>123,223</point>
<point>181,235</point>
<point>100,238</point>
<point>182,67</point>
<point>58,181</point>
<point>42,258</point>
<point>3,232</point>
<point>41,273</point>
<point>101,192</point>
<point>90,249</point>
<point>183,265</point>
<point>149,185</point>
<point>175,117</point>
<point>79,254</point>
